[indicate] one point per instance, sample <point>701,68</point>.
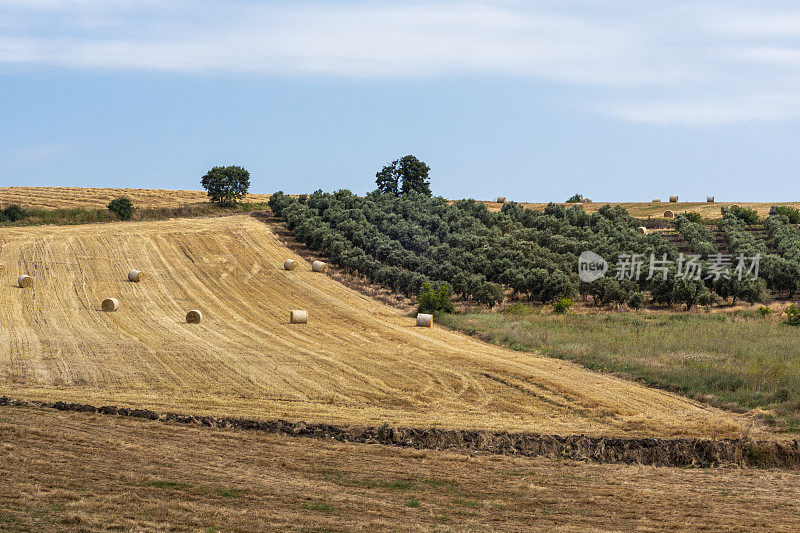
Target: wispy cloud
<point>684,62</point>
<point>40,153</point>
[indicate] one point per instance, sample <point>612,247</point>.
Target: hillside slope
<point>355,362</point>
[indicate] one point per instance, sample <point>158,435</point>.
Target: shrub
<point>748,216</point>
<point>122,207</point>
<point>562,306</point>
<point>764,310</point>
<point>226,185</point>
<point>12,213</point>
<point>636,301</point>
<point>435,301</point>
<point>697,218</point>
<point>793,315</point>
<point>575,198</point>
<point>791,213</point>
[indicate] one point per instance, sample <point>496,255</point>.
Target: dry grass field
<point>656,210</point>
<point>355,362</point>
<point>85,472</point>
<point>66,197</point>
<point>94,198</point>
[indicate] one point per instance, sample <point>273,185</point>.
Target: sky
<point>620,100</point>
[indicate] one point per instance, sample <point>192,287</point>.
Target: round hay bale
<point>424,320</point>
<point>642,230</point>
<point>194,316</point>
<point>669,214</point>
<point>110,304</point>
<point>501,199</point>
<point>2,269</point>
<point>710,199</point>
<point>734,206</point>
<point>319,266</point>
<point>656,200</point>
<point>289,264</point>
<point>135,276</point>
<point>673,199</point>
<point>298,316</point>
<point>25,281</point>
<point>586,201</point>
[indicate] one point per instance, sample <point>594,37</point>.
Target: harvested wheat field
<point>711,210</point>
<point>98,198</point>
<point>354,362</point>
<point>89,472</point>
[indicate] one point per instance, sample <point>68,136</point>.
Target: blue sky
<point>618,100</point>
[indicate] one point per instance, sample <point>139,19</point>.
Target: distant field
<point>656,210</point>
<point>355,362</point>
<point>65,197</point>
<point>82,472</point>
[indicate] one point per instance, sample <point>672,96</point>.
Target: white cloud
<point>685,62</point>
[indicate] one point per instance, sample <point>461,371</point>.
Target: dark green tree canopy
<point>404,175</point>
<point>122,207</point>
<point>226,185</point>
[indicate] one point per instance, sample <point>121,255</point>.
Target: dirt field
<point>94,472</point>
<point>98,198</point>
<point>355,362</point>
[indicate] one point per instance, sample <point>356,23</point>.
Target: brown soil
<point>89,472</point>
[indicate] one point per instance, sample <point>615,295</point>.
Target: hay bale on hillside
<point>586,201</point>
<point>110,304</point>
<point>194,316</point>
<point>734,206</point>
<point>135,276</point>
<point>424,320</point>
<point>656,200</point>
<point>319,266</point>
<point>710,199</point>
<point>669,214</point>
<point>289,264</point>
<point>642,230</point>
<point>501,199</point>
<point>25,281</point>
<point>673,199</point>
<point>298,316</point>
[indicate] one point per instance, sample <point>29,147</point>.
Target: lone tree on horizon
<point>226,185</point>
<point>404,175</point>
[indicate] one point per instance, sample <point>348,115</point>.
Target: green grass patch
<point>228,493</point>
<point>318,506</point>
<point>738,360</point>
<point>412,502</point>
<point>162,484</point>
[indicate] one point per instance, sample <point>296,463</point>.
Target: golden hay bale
<point>194,316</point>
<point>673,199</point>
<point>586,201</point>
<point>135,276</point>
<point>319,266</point>
<point>656,200</point>
<point>2,269</point>
<point>710,199</point>
<point>110,304</point>
<point>289,264</point>
<point>734,206</point>
<point>669,214</point>
<point>298,316</point>
<point>424,320</point>
<point>642,230</point>
<point>25,281</point>
<point>501,199</point>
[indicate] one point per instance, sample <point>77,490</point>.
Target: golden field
<point>98,198</point>
<point>355,362</point>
